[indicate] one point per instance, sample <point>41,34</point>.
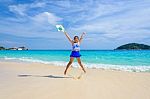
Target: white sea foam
<point>88,65</point>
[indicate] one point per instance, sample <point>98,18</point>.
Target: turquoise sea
<point>127,60</point>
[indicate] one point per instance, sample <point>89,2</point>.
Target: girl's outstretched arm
<point>82,37</point>
<point>68,37</point>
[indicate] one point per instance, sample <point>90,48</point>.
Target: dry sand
<point>39,81</point>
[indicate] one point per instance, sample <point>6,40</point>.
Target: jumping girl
<point>75,51</point>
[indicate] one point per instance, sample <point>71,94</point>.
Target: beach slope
<point>20,80</point>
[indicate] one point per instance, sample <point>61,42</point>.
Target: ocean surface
<point>133,60</point>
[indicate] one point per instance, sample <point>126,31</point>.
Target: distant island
<point>13,48</point>
<point>133,46</point>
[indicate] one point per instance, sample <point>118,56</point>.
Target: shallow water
<point>133,60</point>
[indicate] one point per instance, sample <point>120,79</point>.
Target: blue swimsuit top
<point>75,47</point>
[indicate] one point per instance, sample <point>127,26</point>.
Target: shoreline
<point>126,68</point>
<point>58,66</point>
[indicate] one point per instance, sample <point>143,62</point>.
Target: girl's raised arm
<point>68,37</point>
<point>82,37</point>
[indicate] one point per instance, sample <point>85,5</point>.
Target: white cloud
<point>21,9</point>
<point>42,17</point>
<point>38,4</point>
<point>46,17</point>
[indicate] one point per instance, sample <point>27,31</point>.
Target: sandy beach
<point>20,80</point>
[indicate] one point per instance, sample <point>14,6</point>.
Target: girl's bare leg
<point>79,61</point>
<point>68,65</point>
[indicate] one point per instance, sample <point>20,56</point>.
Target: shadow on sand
<point>48,76</point>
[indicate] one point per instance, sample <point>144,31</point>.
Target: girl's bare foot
<point>65,72</point>
<point>84,70</point>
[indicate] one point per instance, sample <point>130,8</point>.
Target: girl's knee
<point>70,62</point>
<point>79,62</point>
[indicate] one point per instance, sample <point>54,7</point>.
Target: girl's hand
<point>84,33</point>
<point>82,36</point>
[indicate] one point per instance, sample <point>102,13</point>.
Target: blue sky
<point>108,23</point>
